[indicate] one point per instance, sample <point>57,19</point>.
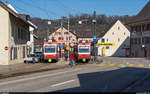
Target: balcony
<point>136,34</point>
<point>146,34</point>
<point>140,34</point>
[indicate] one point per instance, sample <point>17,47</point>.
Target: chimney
<point>6,3</point>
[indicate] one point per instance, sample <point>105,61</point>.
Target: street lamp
<point>49,23</point>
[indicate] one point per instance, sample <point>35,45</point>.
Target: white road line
<point>62,83</point>
<point>37,77</point>
<point>146,61</point>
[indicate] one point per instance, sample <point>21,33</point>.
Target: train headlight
<point>50,60</point>
<point>83,59</point>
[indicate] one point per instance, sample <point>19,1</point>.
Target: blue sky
<point>54,9</point>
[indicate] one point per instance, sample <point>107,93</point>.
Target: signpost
<point>107,44</point>
<point>6,48</point>
<point>94,38</point>
<point>68,48</point>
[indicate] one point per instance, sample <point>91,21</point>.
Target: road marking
<point>37,77</point>
<point>121,65</point>
<point>101,65</point>
<point>62,83</point>
<point>146,61</point>
<point>140,65</point>
<point>130,65</point>
<point>111,64</point>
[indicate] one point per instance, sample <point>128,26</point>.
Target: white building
<point>32,36</point>
<point>115,42</point>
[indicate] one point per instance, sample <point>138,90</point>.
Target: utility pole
<point>47,33</point>
<point>68,28</point>
<point>94,23</point>
<point>68,34</point>
<point>49,23</point>
<point>61,30</point>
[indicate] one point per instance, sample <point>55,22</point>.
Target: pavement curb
<point>25,72</point>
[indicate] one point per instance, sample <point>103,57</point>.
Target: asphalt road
<point>84,78</point>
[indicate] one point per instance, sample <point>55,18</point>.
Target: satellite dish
<point>28,43</point>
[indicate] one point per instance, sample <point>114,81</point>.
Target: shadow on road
<point>113,81</point>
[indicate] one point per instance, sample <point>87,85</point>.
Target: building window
<point>118,28</point>
<point>139,41</point>
<point>59,38</point>
<point>15,52</point>
<point>66,33</point>
<point>144,40</point>
<point>24,48</point>
<point>124,33</point>
<point>118,39</point>
<point>107,47</point>
<point>103,40</point>
<point>12,53</point>
<point>112,33</point>
<point>148,27</point>
<point>135,40</point>
<point>58,33</point>
<point>66,38</point>
<point>18,33</point>
<point>107,40</point>
<point>132,41</point>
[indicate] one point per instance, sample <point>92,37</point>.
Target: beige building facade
<point>119,36</point>
<point>14,34</point>
<point>140,33</point>
<point>62,36</point>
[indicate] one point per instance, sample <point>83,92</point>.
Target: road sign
<point>28,43</point>
<point>107,44</point>
<point>6,47</point>
<point>68,48</point>
<point>95,38</point>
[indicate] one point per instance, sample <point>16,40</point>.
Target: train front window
<point>49,49</point>
<point>83,49</point>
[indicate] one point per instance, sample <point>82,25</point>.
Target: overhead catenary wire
<point>67,7</point>
<point>37,7</point>
<point>20,9</point>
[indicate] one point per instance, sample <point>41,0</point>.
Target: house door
<point>103,51</point>
<point>145,52</point>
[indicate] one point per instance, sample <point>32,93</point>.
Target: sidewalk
<point>20,69</point>
<point>124,60</point>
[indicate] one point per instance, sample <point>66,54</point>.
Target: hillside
<point>103,23</point>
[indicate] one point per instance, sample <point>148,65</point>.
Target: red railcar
<point>83,51</point>
<point>50,51</point>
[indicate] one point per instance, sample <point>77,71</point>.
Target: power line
<point>23,10</point>
<point>41,9</point>
<point>67,7</point>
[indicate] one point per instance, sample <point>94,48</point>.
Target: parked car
<point>34,58</point>
<point>41,56</point>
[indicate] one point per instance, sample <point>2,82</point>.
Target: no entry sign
<point>6,47</point>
